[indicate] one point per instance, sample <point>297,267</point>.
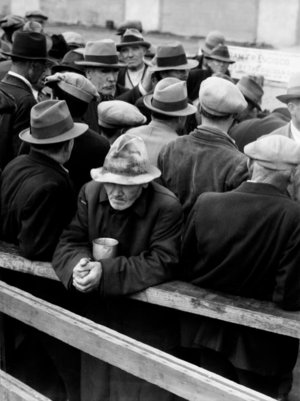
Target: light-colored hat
<point>51,122</point>
<point>172,57</point>
<point>293,89</point>
<point>170,98</point>
<point>74,38</point>
<point>212,39</point>
<point>135,24</point>
<point>37,14</point>
<point>220,53</point>
<point>127,163</point>
<point>74,84</point>
<point>117,113</point>
<point>11,22</point>
<point>132,37</point>
<point>275,152</point>
<point>220,97</point>
<point>101,53</point>
<point>252,91</point>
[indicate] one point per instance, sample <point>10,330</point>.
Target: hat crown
<point>131,35</point>
<point>117,113</point>
<point>102,51</point>
<point>73,38</point>
<point>171,55</point>
<point>12,21</point>
<point>135,24</point>
<point>250,89</point>
<point>220,51</point>
<point>214,38</point>
<point>170,94</point>
<point>29,45</point>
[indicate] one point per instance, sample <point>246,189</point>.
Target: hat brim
<point>286,98</point>
<point>190,109</point>
<point>77,130</point>
<point>99,175</point>
<point>95,64</point>
<point>137,43</point>
<point>24,57</point>
<point>188,66</point>
<point>226,60</point>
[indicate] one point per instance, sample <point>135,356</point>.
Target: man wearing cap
<point>29,56</point>
<point>132,49</point>
<point>252,251</point>
<point>206,159</point>
<point>122,202</point>
<point>10,24</point>
<point>36,15</point>
<point>102,66</point>
<point>169,109</point>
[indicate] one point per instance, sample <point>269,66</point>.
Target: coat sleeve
<point>124,275</point>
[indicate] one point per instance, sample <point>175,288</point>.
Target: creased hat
<point>51,122</point>
<point>29,46</point>
<point>275,152</point>
<point>172,57</point>
<point>212,39</point>
<point>127,163</point>
<point>68,63</point>
<point>37,14</point>
<point>117,113</point>
<point>221,97</point>
<point>101,53</point>
<point>170,98</point>
<point>220,53</point>
<point>293,89</point>
<point>135,24</point>
<point>132,37</point>
<point>74,84</point>
<point>251,90</point>
<point>74,39</point>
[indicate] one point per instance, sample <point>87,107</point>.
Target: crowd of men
<point>175,160</point>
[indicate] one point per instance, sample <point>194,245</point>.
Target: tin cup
<point>104,248</point>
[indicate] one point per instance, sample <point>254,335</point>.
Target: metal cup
<point>104,248</point>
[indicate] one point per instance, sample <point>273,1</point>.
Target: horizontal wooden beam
<point>157,367</point>
<point>12,389</point>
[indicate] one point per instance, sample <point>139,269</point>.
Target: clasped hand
<point>87,275</point>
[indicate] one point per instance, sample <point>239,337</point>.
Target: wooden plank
<point>187,297</point>
<point>12,389</point>
<point>160,368</point>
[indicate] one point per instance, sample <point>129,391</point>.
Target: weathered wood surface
<point>160,368</point>
<point>184,297</point>
<point>12,389</point>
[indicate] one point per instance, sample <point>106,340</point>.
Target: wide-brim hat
<point>132,37</point>
<point>251,89</point>
<point>213,39</point>
<point>68,63</point>
<point>170,98</point>
<point>220,53</point>
<point>293,89</point>
<point>51,122</point>
<point>29,46</point>
<point>127,163</point>
<point>171,57</point>
<point>101,53</point>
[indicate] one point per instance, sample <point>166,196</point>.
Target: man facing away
<point>246,242</point>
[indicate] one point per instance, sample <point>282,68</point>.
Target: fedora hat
<point>220,53</point>
<point>132,37</point>
<point>172,57</point>
<point>51,122</point>
<point>251,90</point>
<point>29,46</point>
<point>68,63</point>
<point>170,98</point>
<point>127,163</point>
<point>293,89</point>
<point>212,40</point>
<point>101,53</point>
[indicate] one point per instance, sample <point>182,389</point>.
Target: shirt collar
<point>15,74</point>
<point>295,132</point>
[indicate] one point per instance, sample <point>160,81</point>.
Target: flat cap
<point>275,152</point>
<point>221,97</point>
<point>37,14</point>
<point>12,22</point>
<point>116,114</point>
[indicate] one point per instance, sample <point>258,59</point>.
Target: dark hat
<point>251,90</point>
<point>51,122</point>
<point>29,46</point>
<point>12,22</point>
<point>293,89</point>
<point>59,46</point>
<point>171,57</point>
<point>68,63</point>
<point>101,53</point>
<point>135,24</point>
<point>220,53</point>
<point>132,37</point>
<point>37,14</point>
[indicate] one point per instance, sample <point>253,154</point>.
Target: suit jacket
<point>245,242</point>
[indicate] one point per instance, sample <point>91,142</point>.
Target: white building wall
<point>147,11</point>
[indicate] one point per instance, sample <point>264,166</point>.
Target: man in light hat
<point>132,50</point>
<point>252,251</point>
<point>37,16</point>
<point>206,159</point>
<point>169,109</point>
<point>122,202</point>
<point>29,57</point>
<point>102,66</point>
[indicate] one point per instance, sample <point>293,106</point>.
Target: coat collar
<point>15,81</point>
<point>213,134</point>
<point>260,188</point>
<point>40,158</point>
